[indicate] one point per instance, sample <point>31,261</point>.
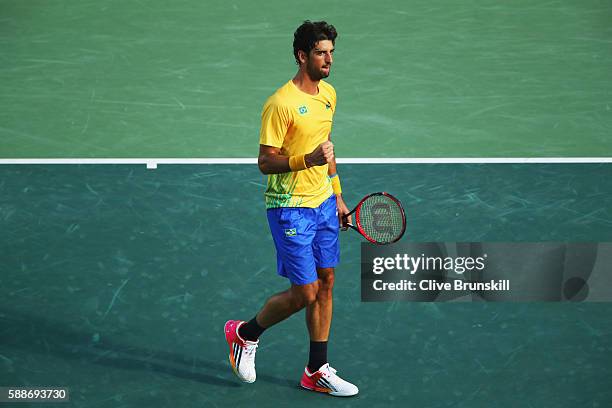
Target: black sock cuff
<point>318,346</point>
<point>251,330</point>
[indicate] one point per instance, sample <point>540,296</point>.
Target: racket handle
<point>353,227</point>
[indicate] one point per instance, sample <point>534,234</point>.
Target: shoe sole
<point>327,391</point>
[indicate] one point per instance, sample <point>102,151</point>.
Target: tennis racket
<point>380,218</point>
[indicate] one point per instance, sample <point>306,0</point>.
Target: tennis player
<point>305,210</point>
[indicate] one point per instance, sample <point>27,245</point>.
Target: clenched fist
<point>323,154</point>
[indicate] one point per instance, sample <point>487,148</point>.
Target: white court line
<point>152,163</point>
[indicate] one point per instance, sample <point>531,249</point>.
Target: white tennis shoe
<point>241,352</point>
<point>326,380</point>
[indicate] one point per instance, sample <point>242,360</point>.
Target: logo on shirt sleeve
<point>290,232</point>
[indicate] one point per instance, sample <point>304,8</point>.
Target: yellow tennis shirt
<point>297,123</point>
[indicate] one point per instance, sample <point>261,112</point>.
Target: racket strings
<point>381,218</point>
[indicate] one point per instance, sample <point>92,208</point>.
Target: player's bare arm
<point>340,204</point>
<point>271,161</point>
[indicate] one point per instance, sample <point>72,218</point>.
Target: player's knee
<point>309,298</point>
<point>305,299</point>
<point>325,291</point>
<point>326,280</point>
<point>305,295</point>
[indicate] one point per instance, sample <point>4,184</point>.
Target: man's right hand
<point>323,154</point>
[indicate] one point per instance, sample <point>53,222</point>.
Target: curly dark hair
<point>310,33</point>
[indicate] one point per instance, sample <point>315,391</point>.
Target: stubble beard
<point>314,73</point>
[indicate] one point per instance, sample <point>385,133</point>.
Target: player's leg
<point>282,305</point>
<point>243,337</point>
<point>319,375</point>
<point>318,319</point>
<point>323,378</point>
<point>293,232</point>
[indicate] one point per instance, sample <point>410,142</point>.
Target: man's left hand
<point>342,213</point>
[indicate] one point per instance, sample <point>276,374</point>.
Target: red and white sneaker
<point>241,352</point>
<point>326,380</point>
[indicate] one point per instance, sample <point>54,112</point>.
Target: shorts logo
<point>290,232</point>
<point>303,110</point>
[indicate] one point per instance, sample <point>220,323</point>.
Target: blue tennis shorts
<point>305,239</point>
